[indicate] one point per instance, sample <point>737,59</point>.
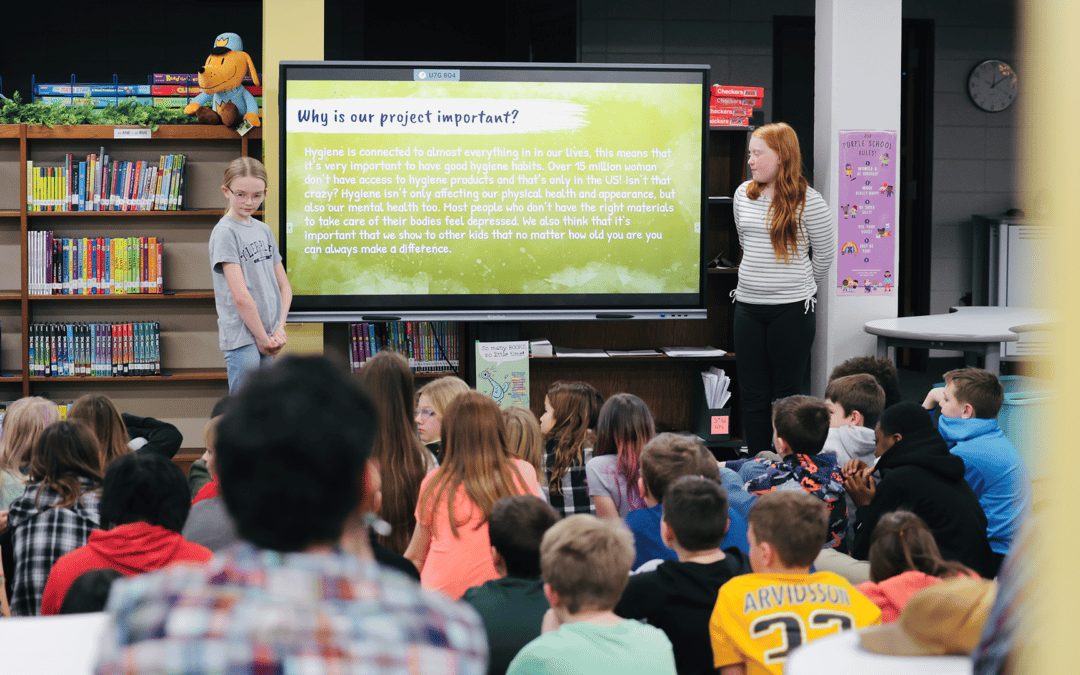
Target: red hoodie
<point>130,549</point>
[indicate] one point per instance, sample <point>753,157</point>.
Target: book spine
<point>159,278</point>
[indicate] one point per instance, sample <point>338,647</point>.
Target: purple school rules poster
<point>866,213</point>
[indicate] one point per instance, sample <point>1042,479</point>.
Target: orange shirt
<point>455,564</point>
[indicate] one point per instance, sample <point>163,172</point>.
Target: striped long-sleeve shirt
<point>765,280</point>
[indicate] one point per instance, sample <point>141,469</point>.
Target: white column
<point>856,87</point>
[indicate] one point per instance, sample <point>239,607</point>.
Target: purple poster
<point>866,213</point>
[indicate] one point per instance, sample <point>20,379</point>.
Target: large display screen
<point>490,191</point>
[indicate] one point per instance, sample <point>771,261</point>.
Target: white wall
<point>975,154</point>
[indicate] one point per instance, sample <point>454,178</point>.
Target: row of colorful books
<point>100,184</point>
<point>733,105</point>
<point>95,349</point>
<point>168,91</point>
<point>95,265</point>
<point>430,346</point>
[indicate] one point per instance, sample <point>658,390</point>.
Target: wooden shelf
<point>217,213</point>
<point>8,213</point>
<point>174,374</point>
<point>197,132</point>
<point>664,358</point>
<point>10,295</point>
<point>723,270</point>
<point>721,200</point>
<point>169,295</point>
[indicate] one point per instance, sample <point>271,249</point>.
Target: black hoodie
<point>918,474</point>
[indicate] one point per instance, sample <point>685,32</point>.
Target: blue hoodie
<point>994,470</point>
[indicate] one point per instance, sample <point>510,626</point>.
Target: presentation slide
<point>492,187</point>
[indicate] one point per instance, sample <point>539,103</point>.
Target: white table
<point>50,645</point>
<point>966,329</point>
<point>841,654</point>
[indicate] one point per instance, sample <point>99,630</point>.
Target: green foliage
<point>14,111</point>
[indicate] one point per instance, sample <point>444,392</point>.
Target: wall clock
<point>992,85</point>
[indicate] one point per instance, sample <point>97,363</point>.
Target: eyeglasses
<point>423,413</point>
<point>242,196</point>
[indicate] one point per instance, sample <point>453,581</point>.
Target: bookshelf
<point>193,373</point>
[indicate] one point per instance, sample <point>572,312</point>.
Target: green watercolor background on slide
<point>628,117</point>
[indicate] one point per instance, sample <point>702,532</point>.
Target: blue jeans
<point>241,361</point>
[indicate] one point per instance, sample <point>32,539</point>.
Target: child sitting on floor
<point>855,402</point>
<point>513,606</point>
<point>969,404</point>
<point>800,426</point>
<point>678,596</point>
<point>585,561</point>
<point>666,458</point>
<point>759,618</point>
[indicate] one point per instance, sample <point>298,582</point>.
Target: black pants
<point>772,347</point>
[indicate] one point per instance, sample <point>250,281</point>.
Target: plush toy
<point>222,82</point>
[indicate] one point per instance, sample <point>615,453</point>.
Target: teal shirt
<point>512,610</point>
<point>627,648</point>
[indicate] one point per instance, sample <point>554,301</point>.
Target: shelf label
<point>131,133</point>
<point>719,424</point>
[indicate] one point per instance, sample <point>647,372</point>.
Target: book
<point>634,352</point>
<point>502,372</point>
<point>93,89</point>
<point>186,90</point>
<point>95,101</point>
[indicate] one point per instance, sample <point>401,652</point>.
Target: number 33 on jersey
<point>760,618</point>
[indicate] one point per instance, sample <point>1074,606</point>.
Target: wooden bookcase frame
<point>196,374</point>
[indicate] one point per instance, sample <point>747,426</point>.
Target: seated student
<point>288,598</point>
<point>759,618</point>
<point>969,403</point>
<point>883,370</point>
<point>918,473</point>
<point>666,458</point>
<point>855,402</point>
<point>57,512</point>
<point>800,426</point>
<point>585,561</point>
<point>513,607</point>
<point>120,433</point>
<point>199,473</point>
<point>904,558</point>
<point>678,596</point>
<point>209,523</point>
<point>144,504</point>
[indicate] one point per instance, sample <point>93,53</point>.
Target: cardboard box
<point>714,424</point>
<point>734,100</point>
<point>738,91</point>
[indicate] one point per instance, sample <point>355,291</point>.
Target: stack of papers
<point>716,384</point>
<point>634,352</point>
<point>540,347</point>
<point>693,351</point>
<point>567,351</point>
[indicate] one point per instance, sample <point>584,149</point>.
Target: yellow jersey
<point>760,618</point>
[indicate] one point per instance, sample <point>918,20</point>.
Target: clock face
<point>992,85</point>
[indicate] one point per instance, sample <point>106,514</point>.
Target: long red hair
<point>475,457</point>
<point>789,189</point>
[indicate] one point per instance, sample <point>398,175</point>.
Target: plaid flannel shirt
<point>574,497</point>
<point>254,611</point>
<point>40,536</point>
